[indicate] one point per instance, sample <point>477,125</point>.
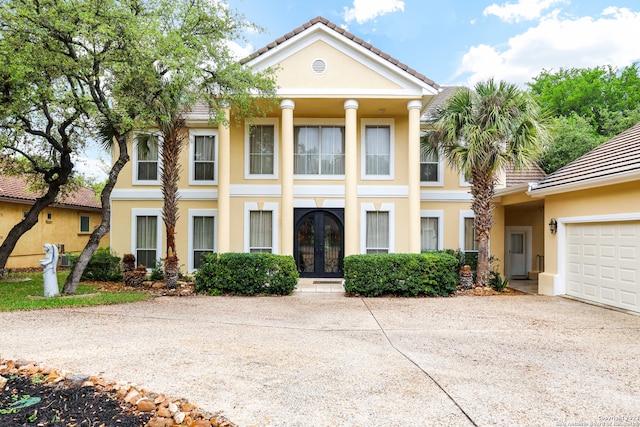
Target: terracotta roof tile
<point>532,173</point>
<point>17,189</point>
<point>618,156</point>
<point>342,31</point>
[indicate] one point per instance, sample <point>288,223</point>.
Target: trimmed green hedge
<point>102,267</point>
<point>246,274</point>
<point>429,274</point>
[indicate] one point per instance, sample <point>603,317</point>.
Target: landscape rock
<point>179,417</point>
<point>75,380</point>
<point>145,405</point>
<point>3,383</point>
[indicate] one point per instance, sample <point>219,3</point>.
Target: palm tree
<point>168,106</point>
<point>479,132</point>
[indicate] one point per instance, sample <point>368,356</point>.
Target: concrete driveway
<point>322,359</point>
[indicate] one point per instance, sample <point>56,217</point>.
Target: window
<point>318,150</point>
<point>377,149</point>
<point>203,238</point>
<point>260,231</point>
<point>146,157</point>
<point>470,241</point>
<point>261,149</point>
<point>146,243</point>
<point>204,157</point>
<point>377,232</point>
<point>84,224</point>
<point>429,167</point>
<point>429,234</point>
<point>49,216</point>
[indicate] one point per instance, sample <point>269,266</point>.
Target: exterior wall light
<point>553,226</point>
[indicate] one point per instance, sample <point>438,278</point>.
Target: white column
<point>413,169</point>
<point>286,211</point>
<point>224,184</point>
<point>351,211</point>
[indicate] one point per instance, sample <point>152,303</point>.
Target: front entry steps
<point>308,284</point>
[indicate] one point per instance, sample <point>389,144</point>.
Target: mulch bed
<point>29,402</point>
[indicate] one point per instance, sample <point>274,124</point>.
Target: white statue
<point>49,273</point>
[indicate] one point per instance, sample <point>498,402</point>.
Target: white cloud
<point>522,10</point>
<point>366,10</point>
<point>96,168</point>
<point>586,42</point>
<point>238,51</point>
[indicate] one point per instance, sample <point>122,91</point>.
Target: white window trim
<point>247,144</point>
<point>318,122</point>
<point>440,181</point>
<point>192,170</point>
<point>363,155</point>
<point>370,207</point>
<point>201,212</point>
<point>136,212</point>
<point>464,182</point>
<point>253,206</point>
<point>134,155</point>
<point>440,215</point>
<point>464,214</point>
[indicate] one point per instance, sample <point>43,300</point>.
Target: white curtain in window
<point>377,232</point>
<point>332,151</point>
<point>378,150</point>
<point>261,150</point>
<point>147,152</point>
<point>146,240</point>
<point>204,154</point>
<point>429,234</point>
<point>470,242</point>
<point>306,157</point>
<point>260,231</point>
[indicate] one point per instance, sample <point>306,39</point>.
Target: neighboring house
<point>336,170</point>
<point>593,205</point>
<point>68,223</point>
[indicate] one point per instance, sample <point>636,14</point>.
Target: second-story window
<point>204,159</point>
<point>261,149</point>
<point>319,150</point>
<point>429,167</point>
<point>147,151</point>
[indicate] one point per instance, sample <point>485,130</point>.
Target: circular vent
<point>319,66</point>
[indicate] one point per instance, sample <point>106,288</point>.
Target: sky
<point>459,42</point>
<point>456,42</point>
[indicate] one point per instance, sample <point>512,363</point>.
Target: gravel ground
<point>325,359</point>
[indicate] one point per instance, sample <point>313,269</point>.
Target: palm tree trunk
<point>482,190</point>
<point>171,148</point>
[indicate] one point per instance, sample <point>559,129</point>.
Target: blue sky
<point>463,41</point>
<point>457,42</point>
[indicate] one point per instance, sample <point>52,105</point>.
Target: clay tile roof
<point>618,156</point>
<point>342,31</point>
<point>16,189</point>
<point>531,173</point>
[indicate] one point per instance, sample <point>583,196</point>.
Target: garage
<point>603,263</point>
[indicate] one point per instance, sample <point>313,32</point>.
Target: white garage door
<point>603,263</point>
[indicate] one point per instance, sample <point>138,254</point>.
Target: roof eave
<point>587,184</point>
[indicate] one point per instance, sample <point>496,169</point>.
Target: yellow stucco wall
<point>63,228</point>
<point>342,71</point>
<point>608,200</point>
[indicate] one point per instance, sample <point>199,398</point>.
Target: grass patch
<point>17,293</point>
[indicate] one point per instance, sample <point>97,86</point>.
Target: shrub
<point>156,273</point>
<point>103,267</point>
<point>496,282</point>
<point>430,274</point>
<point>246,274</point>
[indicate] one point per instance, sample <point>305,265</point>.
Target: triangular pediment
<point>320,59</point>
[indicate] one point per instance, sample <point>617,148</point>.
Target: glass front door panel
<point>332,245</point>
<point>306,244</point>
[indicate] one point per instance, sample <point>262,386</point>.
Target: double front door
<point>319,242</point>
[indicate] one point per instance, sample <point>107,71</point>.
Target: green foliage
<point>573,137</point>
<point>409,275</point>
<point>246,274</point>
<point>24,292</point>
<point>156,273</point>
<point>496,282</point>
<point>103,266</point>
<point>592,93</point>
